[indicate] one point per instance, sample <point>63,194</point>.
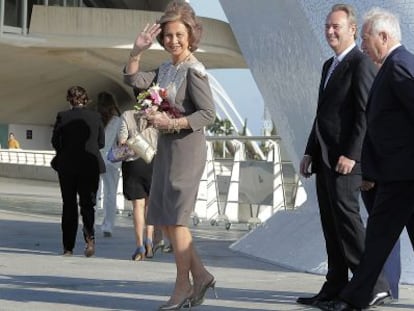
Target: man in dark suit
<point>333,151</point>
<point>387,154</point>
<point>78,134</point>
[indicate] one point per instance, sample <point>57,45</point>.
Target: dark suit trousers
<point>392,267</point>
<point>342,225</point>
<point>393,209</point>
<point>73,185</point>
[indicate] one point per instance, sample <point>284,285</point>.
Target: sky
<point>238,83</point>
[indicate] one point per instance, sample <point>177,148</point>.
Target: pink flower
<point>155,94</point>
<point>155,99</point>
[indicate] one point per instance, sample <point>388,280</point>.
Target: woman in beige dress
<point>181,154</point>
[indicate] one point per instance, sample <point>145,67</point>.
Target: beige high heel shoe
<point>198,297</point>
<point>186,303</point>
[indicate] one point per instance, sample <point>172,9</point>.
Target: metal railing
<point>224,170</point>
<point>26,157</point>
<point>242,185</point>
<point>224,153</point>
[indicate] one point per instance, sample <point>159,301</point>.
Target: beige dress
<point>181,157</point>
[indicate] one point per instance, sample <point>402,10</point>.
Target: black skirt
<point>136,179</point>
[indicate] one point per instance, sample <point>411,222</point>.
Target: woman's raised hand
<point>145,38</point>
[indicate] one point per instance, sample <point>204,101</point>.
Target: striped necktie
<point>331,70</point>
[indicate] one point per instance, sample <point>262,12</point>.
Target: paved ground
<point>35,277</point>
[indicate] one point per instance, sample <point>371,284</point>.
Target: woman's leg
<point>181,239</point>
<point>202,279</point>
<point>158,235</point>
<point>139,225</point>
<point>110,188</point>
<point>149,230</point>
<point>138,209</point>
<point>167,248</point>
<point>198,271</point>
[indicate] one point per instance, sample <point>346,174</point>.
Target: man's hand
<point>305,166</point>
<point>367,185</point>
<point>344,165</point>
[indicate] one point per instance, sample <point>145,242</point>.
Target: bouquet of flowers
<point>155,99</point>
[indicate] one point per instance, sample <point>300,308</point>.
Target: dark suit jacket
<point>78,135</point>
<point>388,151</point>
<point>340,122</point>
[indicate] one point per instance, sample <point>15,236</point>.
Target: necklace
<point>171,73</point>
<point>171,76</point>
<point>178,63</point>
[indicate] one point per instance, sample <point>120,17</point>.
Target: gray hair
<point>381,20</point>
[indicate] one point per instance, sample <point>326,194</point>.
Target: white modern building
<point>48,45</point>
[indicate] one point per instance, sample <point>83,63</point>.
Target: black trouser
<point>72,185</point>
<point>392,267</point>
<point>343,229</point>
<point>393,210</point>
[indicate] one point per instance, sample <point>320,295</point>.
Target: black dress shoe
<point>380,299</point>
<point>335,305</point>
<point>310,301</point>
